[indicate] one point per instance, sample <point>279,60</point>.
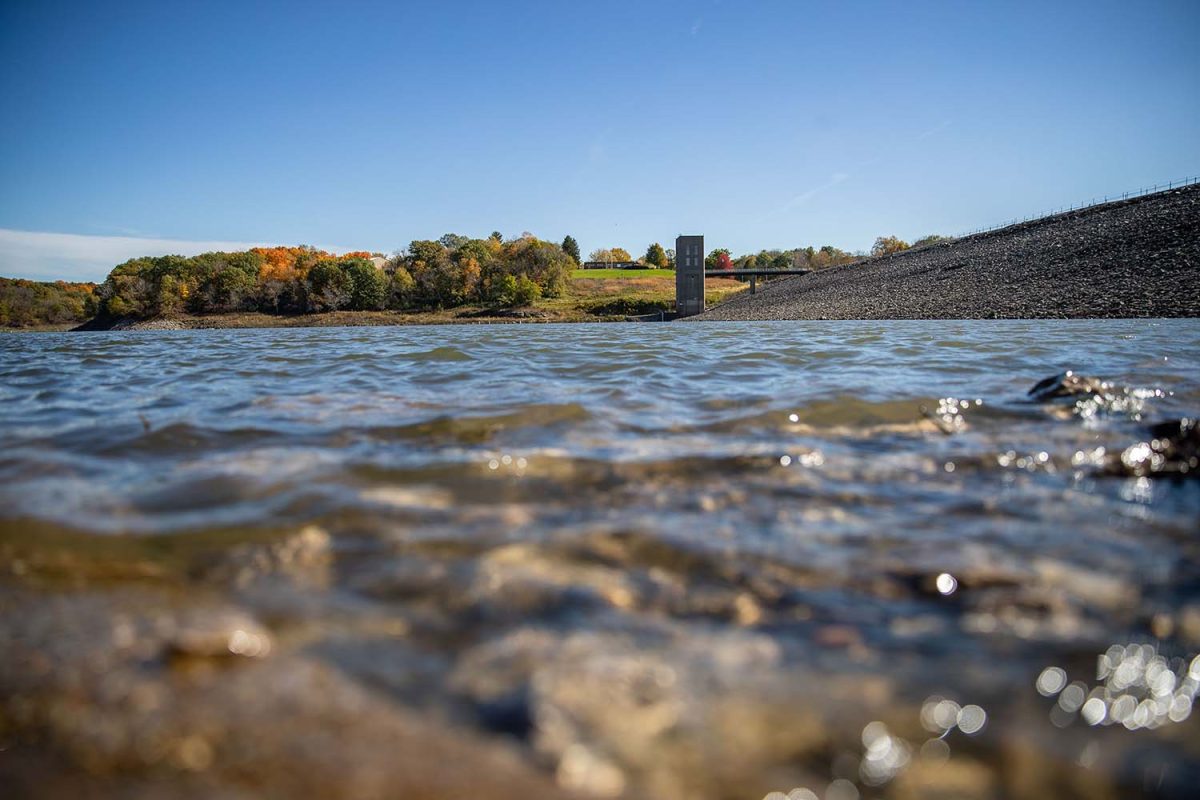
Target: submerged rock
<point>1173,449</point>
<point>84,713</point>
<point>302,558</point>
<point>1068,384</point>
<point>1092,397</point>
<point>217,634</point>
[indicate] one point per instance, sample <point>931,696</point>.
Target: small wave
<point>440,354</point>
<point>170,439</point>
<point>482,428</point>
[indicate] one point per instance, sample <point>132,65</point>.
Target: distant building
<point>689,275</point>
<point>379,261</point>
<point>614,265</point>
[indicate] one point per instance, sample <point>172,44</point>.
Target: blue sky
<point>176,126</point>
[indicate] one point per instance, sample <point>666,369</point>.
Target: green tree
<point>656,256</point>
<point>439,280</point>
<point>231,289</point>
<point>426,251</point>
<point>544,262</point>
<point>223,281</point>
<point>526,292</point>
<point>453,241</point>
<point>368,285</point>
<point>571,248</point>
<point>128,290</point>
<point>170,297</point>
<point>501,289</point>
<point>510,291</point>
<point>329,286</point>
<point>401,289</point>
<point>932,238</point>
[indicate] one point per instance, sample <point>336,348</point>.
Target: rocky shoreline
<point>468,316</point>
<point>1125,259</point>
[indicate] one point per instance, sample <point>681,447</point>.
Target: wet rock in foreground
<point>91,707</point>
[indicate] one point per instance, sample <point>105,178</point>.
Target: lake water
<point>661,560</point>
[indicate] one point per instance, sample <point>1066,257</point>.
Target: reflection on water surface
<point>717,561</point>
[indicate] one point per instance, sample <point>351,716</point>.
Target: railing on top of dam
<point>1095,201</point>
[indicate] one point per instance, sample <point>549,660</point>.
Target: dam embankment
<point>1128,258</point>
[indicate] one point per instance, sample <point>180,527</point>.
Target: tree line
<point>814,258</point>
<point>24,303</point>
<point>450,271</point>
<point>430,274</point>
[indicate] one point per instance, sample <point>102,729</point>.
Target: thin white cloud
<point>76,257</point>
<point>841,177</point>
<point>697,25</point>
<point>935,129</point>
<point>805,196</point>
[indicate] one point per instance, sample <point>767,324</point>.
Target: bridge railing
<point>758,273</point>
<point>1158,187</point>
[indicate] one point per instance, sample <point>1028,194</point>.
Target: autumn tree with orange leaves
<point>451,271</point>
